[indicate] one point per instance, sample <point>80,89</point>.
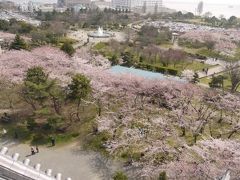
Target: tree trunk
<point>78,109</point>
<point>232,133</point>
<point>195,138</point>
<point>183,131</point>
<point>221,117</point>
<point>56,105</point>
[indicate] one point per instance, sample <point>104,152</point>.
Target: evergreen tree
<point>37,87</point>
<point>119,175</point>
<point>114,60</point>
<point>78,90</point>
<point>195,78</point>
<point>18,43</point>
<point>217,82</point>
<point>127,59</point>
<point>162,176</point>
<point>68,48</point>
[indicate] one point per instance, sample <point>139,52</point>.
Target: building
<point>133,4</point>
<point>7,5</point>
<point>46,8</point>
<point>78,8</point>
<point>71,3</point>
<point>102,4</point>
<point>148,3</point>
<point>29,7</point>
<point>77,4</point>
<point>61,3</point>
<point>122,4</point>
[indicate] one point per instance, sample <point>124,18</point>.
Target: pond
<point>142,73</point>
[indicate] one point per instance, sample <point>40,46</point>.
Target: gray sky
<point>210,1</point>
<point>229,2</point>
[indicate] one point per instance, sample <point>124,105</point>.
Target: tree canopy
<point>18,43</point>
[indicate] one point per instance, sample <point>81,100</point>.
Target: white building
<point>47,8</point>
<point>149,3</point>
<point>29,7</point>
<point>121,4</point>
<point>61,3</point>
<point>131,4</point>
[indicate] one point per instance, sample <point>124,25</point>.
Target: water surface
<point>141,73</point>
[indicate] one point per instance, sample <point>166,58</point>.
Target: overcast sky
<point>229,2</point>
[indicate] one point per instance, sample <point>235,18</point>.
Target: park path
<point>212,71</point>
<point>68,160</point>
<point>220,66</point>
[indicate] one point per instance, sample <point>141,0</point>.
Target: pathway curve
<point>212,71</point>
<point>220,66</point>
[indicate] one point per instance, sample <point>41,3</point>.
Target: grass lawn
<point>187,50</point>
<point>194,66</point>
<point>237,54</point>
<point>196,21</point>
<point>205,80</point>
<point>166,46</point>
<point>106,51</point>
<point>227,81</point>
<point>191,50</point>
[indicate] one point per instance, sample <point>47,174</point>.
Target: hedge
<point>159,69</point>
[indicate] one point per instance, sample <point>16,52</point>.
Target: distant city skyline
<point>216,7</point>
<point>232,2</point>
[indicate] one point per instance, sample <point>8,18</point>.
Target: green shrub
<point>19,43</point>
<point>95,142</point>
<point>162,157</point>
<point>100,46</point>
<point>158,69</point>
<point>114,60</point>
<point>129,153</point>
<point>162,176</point>
<point>119,175</point>
<point>217,81</point>
<point>40,139</point>
<point>191,43</point>
<point>173,72</point>
<point>31,124</point>
<point>74,135</point>
<point>68,48</point>
<point>19,132</point>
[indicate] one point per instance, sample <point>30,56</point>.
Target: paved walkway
<point>68,160</point>
<point>220,67</point>
<point>211,71</point>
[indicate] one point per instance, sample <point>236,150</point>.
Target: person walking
<point>32,151</point>
<point>37,149</point>
<point>53,141</point>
